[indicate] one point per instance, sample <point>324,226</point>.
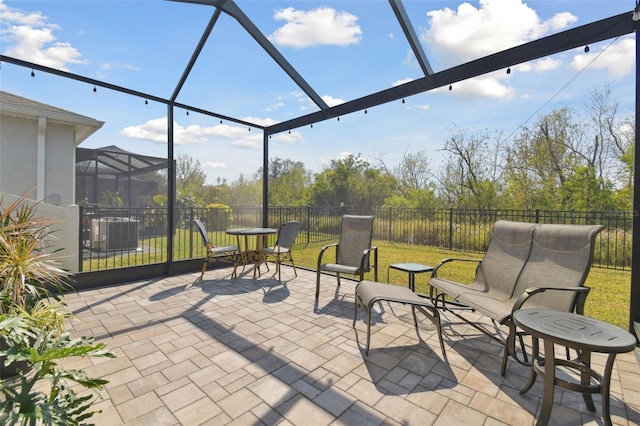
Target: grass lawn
<point>607,301</point>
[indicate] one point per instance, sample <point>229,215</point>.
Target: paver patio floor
<point>255,351</point>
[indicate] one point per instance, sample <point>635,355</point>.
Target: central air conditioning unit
<point>114,233</point>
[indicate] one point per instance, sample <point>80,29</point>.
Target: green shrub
<point>219,217</point>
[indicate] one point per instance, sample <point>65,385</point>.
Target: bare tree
<point>471,176</point>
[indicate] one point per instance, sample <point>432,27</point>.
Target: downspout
<point>265,179</point>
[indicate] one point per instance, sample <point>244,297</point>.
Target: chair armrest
<point>443,262</point>
<point>363,260</point>
<point>583,292</point>
<point>322,250</point>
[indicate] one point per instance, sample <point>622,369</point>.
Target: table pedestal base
<point>590,380</point>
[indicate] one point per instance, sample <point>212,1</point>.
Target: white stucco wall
<point>18,146</point>
<point>64,244</point>
<point>21,161</point>
<point>37,159</point>
<point>59,165</point>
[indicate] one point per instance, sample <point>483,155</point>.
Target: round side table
<point>585,335</point>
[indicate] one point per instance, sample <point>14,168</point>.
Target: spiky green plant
<point>29,271</point>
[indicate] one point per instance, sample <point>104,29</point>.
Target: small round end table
<point>583,334</point>
<point>412,269</point>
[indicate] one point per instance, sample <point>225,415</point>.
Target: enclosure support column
<point>171,188</point>
<point>265,179</point>
<point>634,308</point>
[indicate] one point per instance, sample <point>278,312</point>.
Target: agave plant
<point>28,271</point>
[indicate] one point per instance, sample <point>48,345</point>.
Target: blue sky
<point>343,49</point>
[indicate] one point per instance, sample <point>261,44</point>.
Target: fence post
<point>190,232</point>
<point>81,214</point>
<point>308,224</point>
<point>537,215</point>
<point>390,223</point>
<point>450,228</point>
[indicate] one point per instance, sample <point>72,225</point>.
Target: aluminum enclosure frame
<point>608,28</point>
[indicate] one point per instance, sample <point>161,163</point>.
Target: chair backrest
<point>506,256</point>
<point>203,232</point>
<point>356,234</point>
<point>561,256</point>
<point>287,234</point>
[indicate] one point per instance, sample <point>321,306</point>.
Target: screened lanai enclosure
<point>115,171</point>
<point>227,14</point>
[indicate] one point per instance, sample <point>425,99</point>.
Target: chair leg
<point>236,261</point>
<point>293,264</point>
<point>355,311</point>
<point>368,308</point>
<point>204,268</point>
<point>317,284</point>
<point>278,266</point>
<point>509,348</point>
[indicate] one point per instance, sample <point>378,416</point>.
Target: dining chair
<point>281,251</point>
<point>216,254</point>
<point>352,252</point>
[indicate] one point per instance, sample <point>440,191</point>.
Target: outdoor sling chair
<point>352,251</point>
<point>215,254</point>
<point>553,278</point>
<point>526,265</point>
<point>497,272</point>
<point>281,251</point>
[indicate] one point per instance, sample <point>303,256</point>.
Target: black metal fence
<point>125,237</point>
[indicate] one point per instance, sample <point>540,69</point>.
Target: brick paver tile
<point>238,403</point>
<point>139,406</point>
<point>300,410</point>
<point>182,397</point>
<point>198,412</point>
<point>271,390</point>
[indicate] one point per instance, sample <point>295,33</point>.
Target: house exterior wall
<point>18,137</point>
<point>60,165</point>
<point>22,166</point>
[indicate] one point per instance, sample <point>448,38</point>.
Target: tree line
<point>560,161</point>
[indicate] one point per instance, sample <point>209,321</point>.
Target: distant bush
<point>219,217</point>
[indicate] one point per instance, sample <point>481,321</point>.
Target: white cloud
<point>457,36</point>
<point>156,131</point>
<point>8,14</point>
<point>288,138</point>
<point>116,66</point>
<point>618,59</point>
<point>546,64</point>
<point>260,121</point>
<point>275,107</point>
<point>331,101</point>
<point>467,33</point>
<point>479,87</point>
<point>248,142</point>
<point>214,165</point>
<point>400,82</point>
<point>29,37</point>
<point>321,26</point>
<point>238,136</point>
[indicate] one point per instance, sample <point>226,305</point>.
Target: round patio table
<point>248,255</point>
<point>583,334</point>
